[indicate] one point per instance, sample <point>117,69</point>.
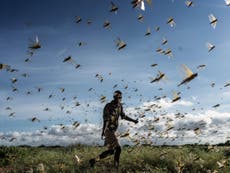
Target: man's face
<point>118,98</point>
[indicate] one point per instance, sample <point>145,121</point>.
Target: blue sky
<point>54,24</point>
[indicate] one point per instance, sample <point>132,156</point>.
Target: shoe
<point>116,164</point>
<point>92,162</point>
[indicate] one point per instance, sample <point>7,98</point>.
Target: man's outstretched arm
<point>125,117</point>
<point>130,119</point>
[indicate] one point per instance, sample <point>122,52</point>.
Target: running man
<point>111,113</point>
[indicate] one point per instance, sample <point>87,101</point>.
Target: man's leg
<point>111,142</point>
<point>106,153</point>
<point>101,156</point>
<point>117,156</point>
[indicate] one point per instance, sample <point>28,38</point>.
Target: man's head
<point>117,96</point>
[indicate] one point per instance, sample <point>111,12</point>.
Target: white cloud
<point>226,94</point>
<point>55,135</point>
<point>214,128</point>
<point>194,98</point>
<point>166,103</point>
<point>163,104</point>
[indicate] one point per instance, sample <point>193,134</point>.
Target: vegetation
<point>138,159</point>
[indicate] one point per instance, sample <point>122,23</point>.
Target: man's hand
<point>105,124</point>
<point>136,121</point>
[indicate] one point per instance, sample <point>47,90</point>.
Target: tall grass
<point>143,159</point>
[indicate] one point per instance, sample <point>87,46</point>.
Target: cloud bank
<point>173,129</point>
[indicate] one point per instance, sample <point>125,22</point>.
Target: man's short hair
<point>117,93</point>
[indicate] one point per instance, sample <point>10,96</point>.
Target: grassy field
<point>164,159</point>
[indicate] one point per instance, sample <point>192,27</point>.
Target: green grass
<point>143,159</point>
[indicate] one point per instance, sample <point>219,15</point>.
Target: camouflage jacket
<point>111,114</point>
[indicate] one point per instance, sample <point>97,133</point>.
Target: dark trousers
<point>116,151</point>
